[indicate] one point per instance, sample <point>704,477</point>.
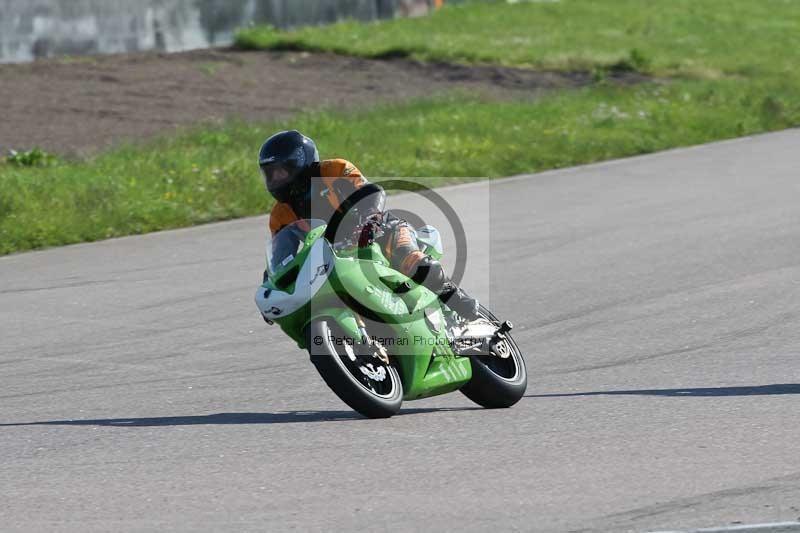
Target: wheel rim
<point>370,373</point>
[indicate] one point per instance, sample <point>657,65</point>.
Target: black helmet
<point>285,157</point>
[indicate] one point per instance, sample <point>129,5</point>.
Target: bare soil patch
<point>79,106</point>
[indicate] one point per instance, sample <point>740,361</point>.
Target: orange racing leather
<point>331,170</point>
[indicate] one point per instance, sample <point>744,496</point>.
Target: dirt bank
<point>80,106</point>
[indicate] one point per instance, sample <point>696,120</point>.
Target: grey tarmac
<point>657,300</point>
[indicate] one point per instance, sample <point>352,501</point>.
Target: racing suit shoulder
<point>282,215</point>
<point>333,169</point>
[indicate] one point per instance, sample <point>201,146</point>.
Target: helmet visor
<point>278,175</point>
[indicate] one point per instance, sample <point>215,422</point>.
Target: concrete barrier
<point>30,29</point>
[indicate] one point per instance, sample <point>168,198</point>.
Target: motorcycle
<point>376,337</point>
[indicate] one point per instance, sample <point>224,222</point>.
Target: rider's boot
<point>459,301</point>
<point>429,273</point>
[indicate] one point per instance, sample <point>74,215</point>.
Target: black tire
<point>371,398</point>
<point>497,383</point>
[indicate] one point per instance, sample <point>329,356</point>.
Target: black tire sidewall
<point>491,390</point>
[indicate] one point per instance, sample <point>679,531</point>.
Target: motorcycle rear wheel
<point>353,381</point>
<point>496,382</point>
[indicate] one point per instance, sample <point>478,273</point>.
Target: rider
<point>306,187</point>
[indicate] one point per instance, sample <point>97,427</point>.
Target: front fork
<point>372,348</point>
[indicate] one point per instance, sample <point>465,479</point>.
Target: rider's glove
<point>369,230</point>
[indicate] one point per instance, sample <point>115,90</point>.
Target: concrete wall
<point>44,28</point>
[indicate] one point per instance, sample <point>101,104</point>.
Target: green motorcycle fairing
<point>317,283</point>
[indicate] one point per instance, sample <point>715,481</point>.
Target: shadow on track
<point>756,390</point>
<point>287,417</point>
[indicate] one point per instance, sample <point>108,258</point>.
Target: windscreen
<point>289,242</point>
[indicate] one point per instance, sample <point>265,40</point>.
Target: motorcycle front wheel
<point>497,382</point>
<point>366,384</point>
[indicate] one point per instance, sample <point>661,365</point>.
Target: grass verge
<point>210,173</point>
<point>706,39</point>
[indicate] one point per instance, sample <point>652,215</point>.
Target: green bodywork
<point>424,357</point>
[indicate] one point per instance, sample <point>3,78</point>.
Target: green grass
<point>734,64</point>
<point>694,38</point>
<point>211,174</point>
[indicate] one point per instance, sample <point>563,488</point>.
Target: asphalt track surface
<point>657,300</point>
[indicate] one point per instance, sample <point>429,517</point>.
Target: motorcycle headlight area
<point>313,274</point>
